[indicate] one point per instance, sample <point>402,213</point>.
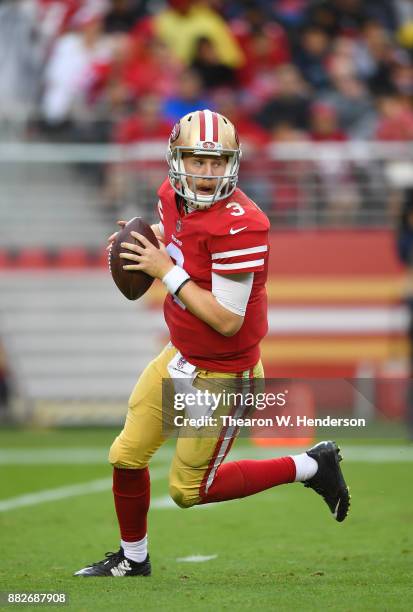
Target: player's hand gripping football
<point>146,257</point>
<point>155,229</point>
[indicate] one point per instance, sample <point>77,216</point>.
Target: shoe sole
<point>147,572</point>
<point>343,505</point>
<point>146,575</point>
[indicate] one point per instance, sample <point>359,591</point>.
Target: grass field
<point>279,550</point>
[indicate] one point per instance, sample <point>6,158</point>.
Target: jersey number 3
<point>237,209</point>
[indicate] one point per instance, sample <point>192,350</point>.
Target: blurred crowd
<point>284,70</point>
<point>125,70</point>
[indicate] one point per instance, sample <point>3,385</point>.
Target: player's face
<point>205,166</point>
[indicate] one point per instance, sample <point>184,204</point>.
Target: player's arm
<point>206,306</point>
<point>200,302</point>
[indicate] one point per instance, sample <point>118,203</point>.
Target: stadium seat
<point>72,258</point>
<point>5,260</point>
<point>33,258</point>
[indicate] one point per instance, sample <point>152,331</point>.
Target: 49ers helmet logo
<point>208,145</point>
<point>176,130</point>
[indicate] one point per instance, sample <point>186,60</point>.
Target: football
<point>132,283</point>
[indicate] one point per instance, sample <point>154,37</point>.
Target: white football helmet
<point>203,133</point>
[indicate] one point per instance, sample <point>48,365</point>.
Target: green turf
<point>15,437</point>
<point>279,550</point>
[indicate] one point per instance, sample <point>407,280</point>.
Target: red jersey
<point>231,237</point>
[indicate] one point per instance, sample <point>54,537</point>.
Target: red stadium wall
<point>334,253</point>
<point>326,272</point>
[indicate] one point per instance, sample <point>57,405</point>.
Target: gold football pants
<point>197,457</point>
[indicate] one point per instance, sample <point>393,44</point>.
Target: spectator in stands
<point>139,65</point>
<point>395,120</point>
<point>311,56</point>
<point>265,45</point>
<point>145,124</point>
<point>255,12</point>
<point>149,67</point>
<point>351,57</point>
<point>404,34</point>
<point>22,53</point>
<point>402,77</point>
<point>290,14</point>
<point>69,66</point>
<point>378,56</point>
<point>324,124</point>
<point>55,16</point>
<point>404,13</point>
<point>384,13</point>
<point>323,15</point>
<point>352,101</point>
<point>123,14</point>
<point>104,82</point>
<point>185,21</point>
<point>290,104</point>
<point>251,134</point>
<point>349,15</point>
<point>188,97</point>
<point>211,70</point>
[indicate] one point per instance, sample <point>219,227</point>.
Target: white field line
<point>76,490</point>
<point>163,503</point>
<point>47,495</point>
<point>98,456</point>
<point>85,488</point>
<point>196,558</point>
<point>62,456</point>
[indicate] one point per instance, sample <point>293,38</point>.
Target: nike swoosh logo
<point>236,231</point>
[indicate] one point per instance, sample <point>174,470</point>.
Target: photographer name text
<point>278,421</point>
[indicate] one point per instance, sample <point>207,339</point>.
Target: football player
<point>213,260</point>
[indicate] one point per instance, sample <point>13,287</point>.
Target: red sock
<point>131,492</point>
<point>242,478</point>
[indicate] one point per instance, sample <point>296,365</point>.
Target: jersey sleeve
<point>244,251</point>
